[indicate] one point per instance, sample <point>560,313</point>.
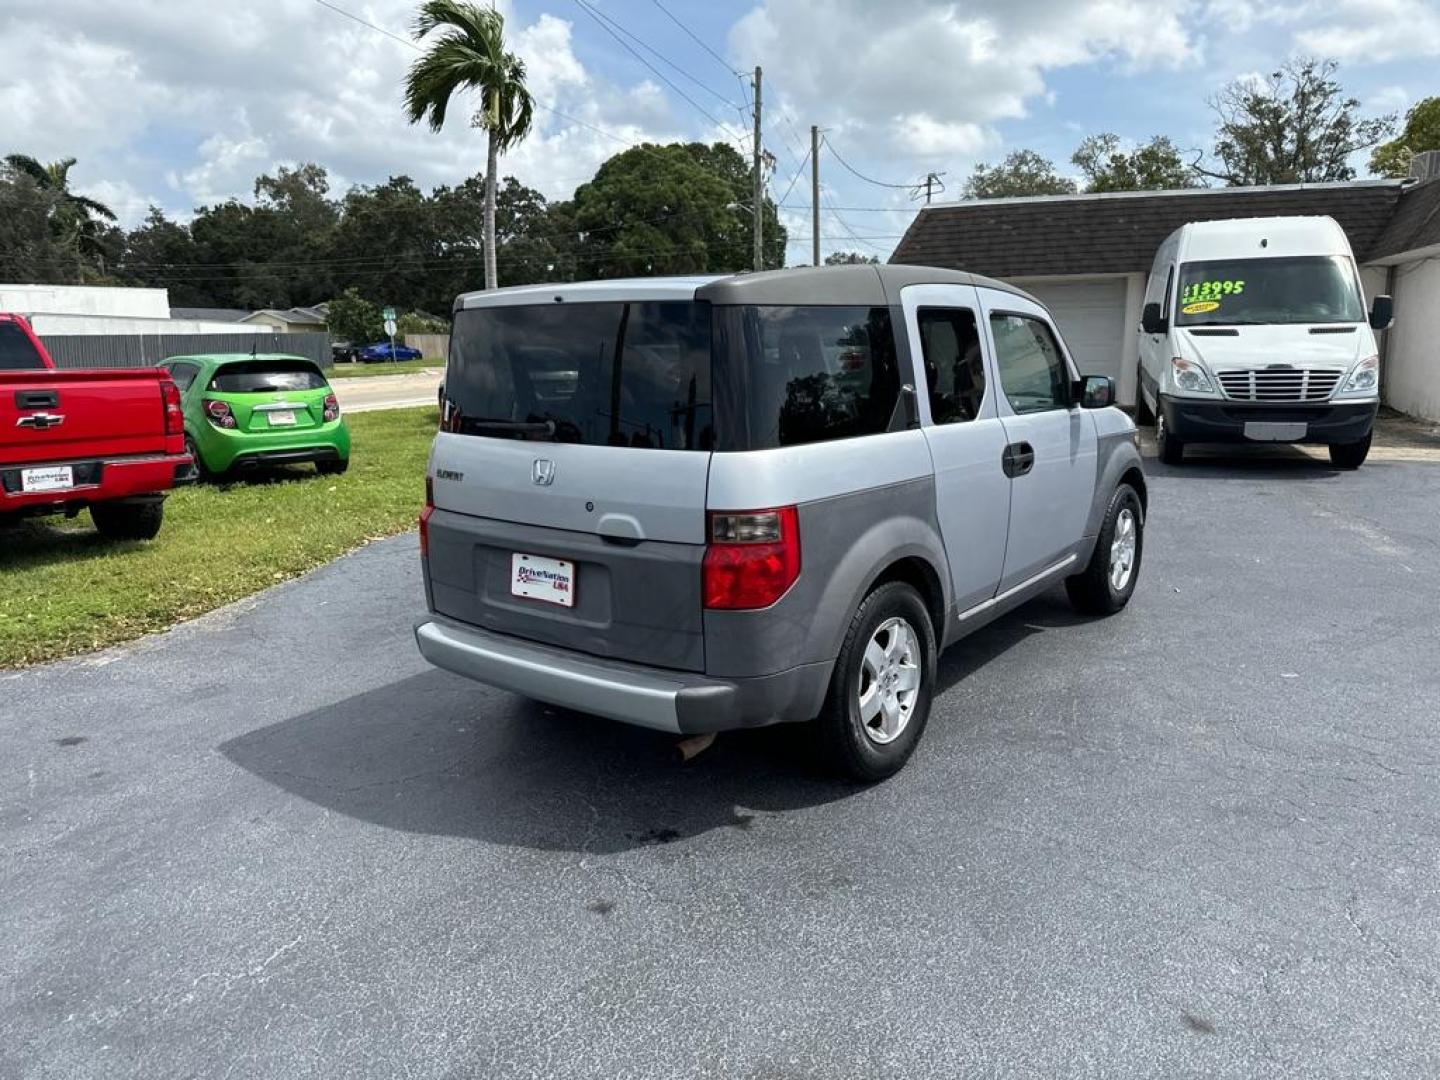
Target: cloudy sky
<point>183,104</point>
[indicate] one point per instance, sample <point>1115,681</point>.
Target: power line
<point>664,59</point>
<point>695,38</point>
<point>602,23</point>
<point>793,181</point>
<point>869,180</point>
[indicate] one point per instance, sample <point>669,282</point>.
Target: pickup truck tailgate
<point>68,415</point>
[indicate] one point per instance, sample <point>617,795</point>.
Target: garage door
<point>1091,317</point>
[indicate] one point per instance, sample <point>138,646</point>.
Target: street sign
<point>389,316</point>
<point>390,326</point>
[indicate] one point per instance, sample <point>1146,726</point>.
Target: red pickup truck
<point>111,441</point>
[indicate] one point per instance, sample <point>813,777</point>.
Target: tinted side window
<point>16,352</point>
<point>1032,369</point>
<point>184,375</point>
<point>795,375</point>
<point>954,370</point>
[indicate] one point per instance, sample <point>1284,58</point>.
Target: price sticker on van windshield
<point>1201,296</point>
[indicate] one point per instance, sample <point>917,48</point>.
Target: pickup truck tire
<point>332,468</point>
<point>1106,584</point>
<point>1350,455</point>
<point>1171,449</point>
<point>127,519</point>
<point>886,671</point>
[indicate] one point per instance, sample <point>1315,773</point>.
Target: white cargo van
<point>1255,329</point>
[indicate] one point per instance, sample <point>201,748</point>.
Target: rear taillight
<point>219,414</point>
<point>174,411</point>
<point>332,408</point>
<point>752,559</point>
<point>425,517</point>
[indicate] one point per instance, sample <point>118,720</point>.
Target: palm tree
<point>74,220</point>
<point>470,55</point>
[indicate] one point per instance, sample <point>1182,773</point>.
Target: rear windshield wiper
<point>519,427</point>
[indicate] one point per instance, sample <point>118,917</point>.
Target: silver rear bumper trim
<point>628,695</point>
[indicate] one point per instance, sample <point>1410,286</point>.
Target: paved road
<point>366,394</point>
<point>1196,839</point>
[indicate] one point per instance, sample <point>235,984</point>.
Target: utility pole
<point>759,205</point>
<point>931,180</point>
<point>815,194</point>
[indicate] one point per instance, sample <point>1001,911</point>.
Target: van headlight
<point>1364,378</point>
<point>1189,377</point>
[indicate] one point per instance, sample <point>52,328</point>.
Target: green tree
<point>416,322</point>
<point>388,243</point>
<point>1154,166</point>
<point>670,209</point>
<point>79,222</point>
<point>849,258</point>
<point>470,55</point>
<point>162,252</point>
<point>29,249</point>
<point>1023,172</point>
<point>355,319</point>
<point>1420,133</point>
<point>1294,127</point>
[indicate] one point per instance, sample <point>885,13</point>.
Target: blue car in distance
<point>383,353</point>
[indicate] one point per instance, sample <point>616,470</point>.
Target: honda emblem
<point>542,472</point>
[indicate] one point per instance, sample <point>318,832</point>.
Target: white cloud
<point>196,103</point>
<point>1370,31</point>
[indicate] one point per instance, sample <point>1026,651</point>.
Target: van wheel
<point>1350,455</point>
<point>1105,585</point>
<point>127,520</point>
<point>1172,450</point>
<point>880,691</point>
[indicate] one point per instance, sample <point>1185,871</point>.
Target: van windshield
<point>1290,289</point>
<point>613,374</point>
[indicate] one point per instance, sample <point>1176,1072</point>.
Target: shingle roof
<point>1118,233</point>
<point>209,314</point>
<point>1415,224</point>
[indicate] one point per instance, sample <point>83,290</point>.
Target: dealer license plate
<point>281,417</point>
<point>536,578</point>
<point>1262,432</point>
<point>51,478</point>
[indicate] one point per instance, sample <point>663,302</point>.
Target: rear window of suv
<point>672,374</point>
<point>267,376</point>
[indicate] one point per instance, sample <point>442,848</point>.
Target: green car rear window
<point>267,376</point>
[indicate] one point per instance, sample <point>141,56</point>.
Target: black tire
<point>1093,591</point>
<point>847,742</point>
<point>201,472</point>
<point>1172,450</point>
<point>332,468</point>
<point>1350,455</point>
<point>126,519</point>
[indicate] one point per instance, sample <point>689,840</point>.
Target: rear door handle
<point>1018,459</point>
<point>37,399</point>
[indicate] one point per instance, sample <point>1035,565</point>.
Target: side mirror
<point>1151,321</point>
<point>1095,392</point>
<point>1382,313</point>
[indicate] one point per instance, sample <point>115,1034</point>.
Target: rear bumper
<point>97,480</point>
<point>265,459</point>
<point>223,450</point>
<point>673,701</point>
<point>1193,420</point>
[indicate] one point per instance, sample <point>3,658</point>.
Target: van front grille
<point>1280,384</point>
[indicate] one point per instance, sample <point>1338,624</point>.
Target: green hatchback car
<point>245,411</point>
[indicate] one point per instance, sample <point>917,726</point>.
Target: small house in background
<point>1087,256</point>
<point>296,320</point>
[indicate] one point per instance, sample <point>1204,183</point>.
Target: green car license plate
<point>281,417</point>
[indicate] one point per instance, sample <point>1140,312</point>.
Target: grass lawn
<point>368,371</point>
<point>66,591</point>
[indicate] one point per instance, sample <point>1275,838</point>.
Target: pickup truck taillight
<point>218,413</point>
<point>425,517</point>
<point>332,408</point>
<point>752,559</point>
<point>174,411</point>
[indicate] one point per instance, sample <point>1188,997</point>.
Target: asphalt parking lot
<point>1195,839</point>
